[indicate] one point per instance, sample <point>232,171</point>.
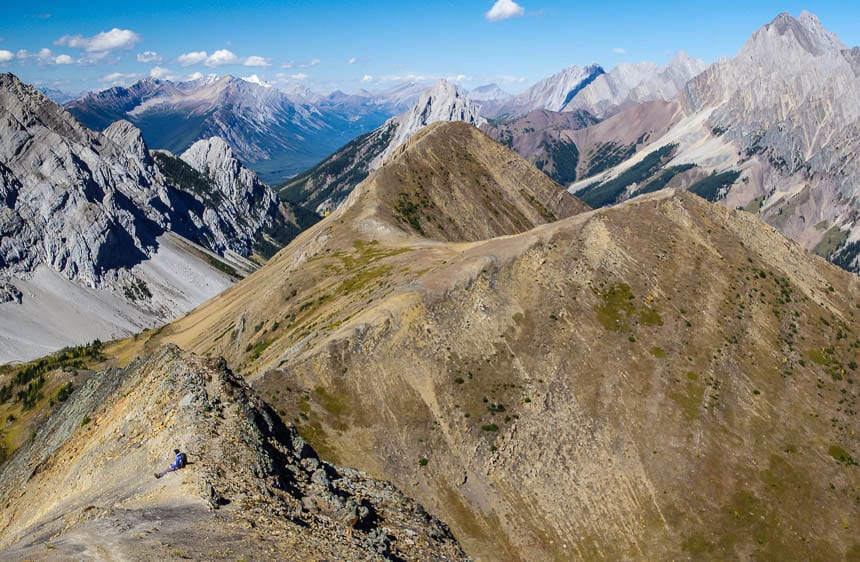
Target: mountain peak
<point>489,92</point>
<point>807,31</point>
<point>442,87</point>
<point>443,101</point>
<point>468,187</point>
<point>254,79</point>
<point>554,92</point>
<point>125,135</point>
<point>213,149</point>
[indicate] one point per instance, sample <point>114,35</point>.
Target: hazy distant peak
<point>489,92</point>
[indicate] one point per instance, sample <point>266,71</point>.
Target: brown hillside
<point>454,183</point>
<point>664,379</point>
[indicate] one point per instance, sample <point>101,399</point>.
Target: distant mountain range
<point>265,128</point>
<point>280,133</point>
<point>599,92</point>
<point>276,133</point>
<point>57,96</point>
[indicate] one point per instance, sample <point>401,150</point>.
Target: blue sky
<point>348,44</point>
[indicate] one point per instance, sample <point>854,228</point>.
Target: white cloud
<point>118,78</point>
<point>299,76</point>
<point>619,51</point>
<point>43,56</point>
<point>458,78</point>
<point>504,9</point>
<point>406,78</point>
<point>310,63</point>
<point>96,58</point>
<point>194,76</point>
<point>254,60</point>
<point>352,60</point>
<point>220,58</point>
<point>101,42</point>
<point>6,56</point>
<point>511,79</point>
<point>287,65</point>
<point>192,58</point>
<point>149,56</point>
<point>159,72</point>
<point>367,78</point>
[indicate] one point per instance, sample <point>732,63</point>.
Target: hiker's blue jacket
<point>179,462</point>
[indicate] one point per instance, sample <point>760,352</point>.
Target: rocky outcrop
<point>86,203</point>
<point>85,479</point>
<point>242,204</point>
<point>72,202</point>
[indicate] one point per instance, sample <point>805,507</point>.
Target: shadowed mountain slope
<point>664,379</point>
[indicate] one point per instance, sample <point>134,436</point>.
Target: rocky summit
<point>571,390</point>
<point>83,486</point>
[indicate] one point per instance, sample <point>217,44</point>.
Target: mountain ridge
<point>249,473</point>
<point>589,342</point>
